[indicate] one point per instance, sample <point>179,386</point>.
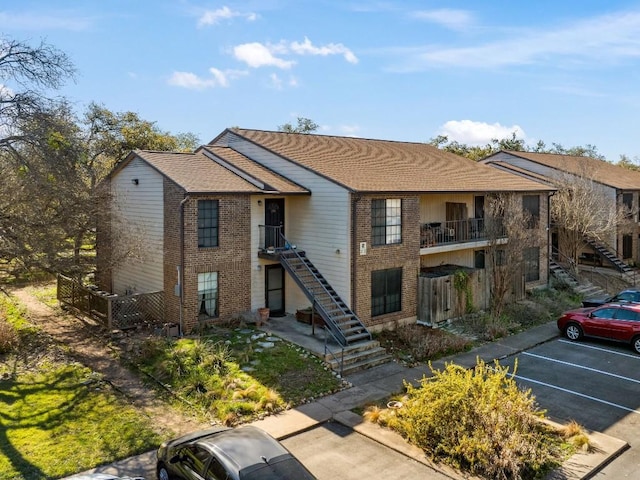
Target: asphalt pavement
<point>378,383</point>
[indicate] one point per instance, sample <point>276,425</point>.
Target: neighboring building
<point>279,220</point>
<point>620,185</point>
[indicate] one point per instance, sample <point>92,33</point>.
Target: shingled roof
<point>205,172</point>
<point>599,170</point>
<point>368,165</point>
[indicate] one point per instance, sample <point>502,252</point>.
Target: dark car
<point>613,321</point>
<point>222,453</point>
<point>629,295</point>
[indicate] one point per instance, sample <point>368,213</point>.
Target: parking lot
<point>596,383</point>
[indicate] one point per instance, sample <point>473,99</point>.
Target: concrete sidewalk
<point>381,382</point>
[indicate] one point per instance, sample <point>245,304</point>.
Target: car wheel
<point>636,344</point>
<point>163,473</point>
<point>573,331</point>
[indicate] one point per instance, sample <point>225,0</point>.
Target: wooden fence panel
<point>113,311</point>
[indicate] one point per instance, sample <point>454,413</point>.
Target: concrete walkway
<point>381,382</point>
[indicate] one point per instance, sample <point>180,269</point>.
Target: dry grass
<point>411,344</point>
<point>576,435</point>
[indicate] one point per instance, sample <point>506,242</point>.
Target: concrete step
<point>358,357</point>
<point>360,362</point>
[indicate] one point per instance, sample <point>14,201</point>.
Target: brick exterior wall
<point>231,259</point>
<point>544,243</point>
<point>405,255</point>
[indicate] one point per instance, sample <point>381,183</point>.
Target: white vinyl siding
<point>139,208</point>
<point>317,223</point>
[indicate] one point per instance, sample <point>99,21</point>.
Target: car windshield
<point>288,468</point>
<point>629,296</point>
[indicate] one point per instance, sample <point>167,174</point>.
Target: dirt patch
<point>85,341</point>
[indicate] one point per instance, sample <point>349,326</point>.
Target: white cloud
<point>258,55</point>
<point>602,40</point>
<point>213,17</point>
<point>307,48</point>
<point>6,92</point>
<point>447,17</point>
<point>276,81</point>
<point>478,133</point>
<point>192,81</point>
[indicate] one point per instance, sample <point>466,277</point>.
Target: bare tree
<point>584,209</point>
<point>26,73</point>
<point>512,232</point>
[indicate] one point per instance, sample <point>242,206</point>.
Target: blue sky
<point>558,71</point>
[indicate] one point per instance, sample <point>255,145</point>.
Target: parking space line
<point>577,394</point>
<point>602,372</point>
<point>584,345</point>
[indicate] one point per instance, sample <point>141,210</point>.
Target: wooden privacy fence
<point>113,311</point>
<point>439,300</point>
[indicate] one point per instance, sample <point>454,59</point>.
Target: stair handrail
<point>555,251</point>
<point>319,306</point>
<point>566,259</point>
<point>326,315</point>
<point>596,242</point>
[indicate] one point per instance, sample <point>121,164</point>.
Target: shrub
<point>480,421</point>
<point>8,336</point>
<point>416,343</point>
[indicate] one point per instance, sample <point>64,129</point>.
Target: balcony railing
<point>459,231</point>
<point>271,238</point>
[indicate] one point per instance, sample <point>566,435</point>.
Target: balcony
<point>434,234</point>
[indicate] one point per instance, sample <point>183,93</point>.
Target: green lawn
<point>56,416</point>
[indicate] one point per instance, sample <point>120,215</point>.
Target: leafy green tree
<point>511,143</point>
<point>52,165</point>
<point>304,125</point>
<point>626,162</point>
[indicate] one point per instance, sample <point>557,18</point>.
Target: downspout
<point>355,198</point>
<point>181,266</point>
<point>549,244</point>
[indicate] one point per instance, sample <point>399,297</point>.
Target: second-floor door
<point>273,217</point>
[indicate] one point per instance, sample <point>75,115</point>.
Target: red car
<point>613,321</point>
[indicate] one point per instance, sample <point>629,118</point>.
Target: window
<point>478,258</point>
<point>216,471</point>
<point>607,313</point>
<point>625,314</point>
<point>208,294</point>
<point>386,291</point>
<point>531,208</point>
<point>531,264</point>
<point>627,246</point>
<point>386,221</point>
<point>627,202</point>
<point>207,223</point>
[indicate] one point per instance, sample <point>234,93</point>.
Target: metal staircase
<point>609,256</point>
<point>564,276</point>
<point>345,325</point>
